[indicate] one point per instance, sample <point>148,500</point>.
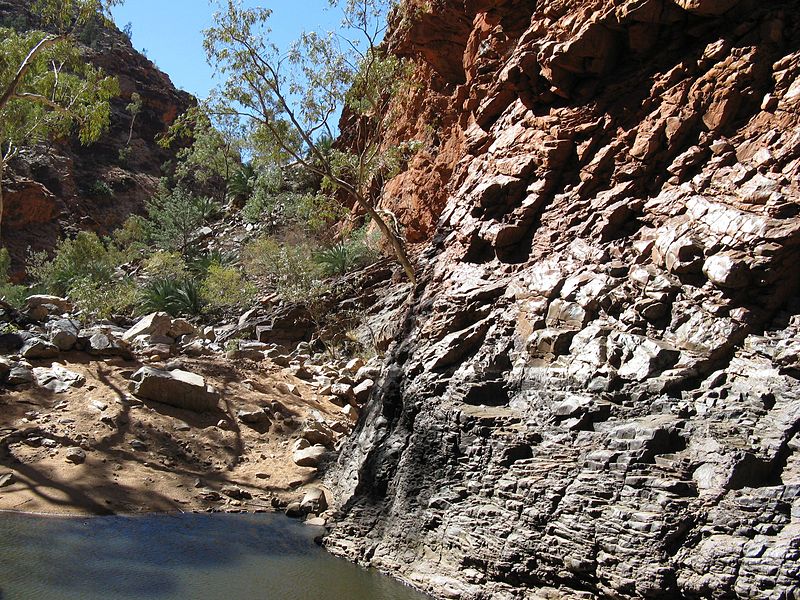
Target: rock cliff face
<point>56,189</point>
<point>595,391</point>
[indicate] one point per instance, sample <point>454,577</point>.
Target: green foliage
<point>134,108</point>
<point>5,265</point>
<point>15,295</point>
<point>131,238</point>
<point>174,218</point>
<point>199,264</point>
<point>210,156</point>
<point>291,96</point>
<point>336,260</point>
<point>272,197</point>
<point>347,255</point>
<point>288,268</point>
<point>104,299</point>
<point>124,155</point>
<point>85,269</point>
<point>167,265</point>
<point>100,189</point>
<point>225,287</point>
<point>178,297</point>
<point>240,185</point>
<point>84,258</point>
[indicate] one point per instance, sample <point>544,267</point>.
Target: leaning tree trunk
<point>394,240</point>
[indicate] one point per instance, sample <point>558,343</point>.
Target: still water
<point>181,557</point>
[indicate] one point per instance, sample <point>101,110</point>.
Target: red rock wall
<point>595,391</point>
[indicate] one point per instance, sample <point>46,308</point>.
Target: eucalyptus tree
<point>291,96</point>
<point>211,151</point>
<point>47,89</point>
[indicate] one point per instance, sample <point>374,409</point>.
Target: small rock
<point>253,417</point>
<point>236,493</point>
<point>64,333</point>
<point>344,392</point>
<point>362,390</point>
<point>288,388</point>
<point>314,501</point>
<point>157,323</point>
<point>354,365</point>
<point>20,375</point>
<point>101,406</point>
<point>75,456</point>
<point>294,510</point>
<point>308,457</point>
<point>351,412</point>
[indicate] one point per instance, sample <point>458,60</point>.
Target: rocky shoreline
<point>159,416</point>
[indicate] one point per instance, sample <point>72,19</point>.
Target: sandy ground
<point>179,460</point>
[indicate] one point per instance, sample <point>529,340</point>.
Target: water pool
<point>178,557</point>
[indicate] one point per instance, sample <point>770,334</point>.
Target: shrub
<point>104,299</point>
<point>347,255</point>
<point>131,238</point>
<point>100,189</point>
<point>200,264</point>
<point>175,217</point>
<point>5,265</point>
<point>124,155</point>
<point>82,258</point>
<point>226,287</point>
<point>14,295</point>
<point>178,297</point>
<point>289,268</point>
<point>336,260</point>
<point>240,186</point>
<point>165,265</point>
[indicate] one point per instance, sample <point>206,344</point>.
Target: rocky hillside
<point>595,392</point>
<point>57,189</point>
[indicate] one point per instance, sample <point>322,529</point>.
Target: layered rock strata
<point>595,391</point>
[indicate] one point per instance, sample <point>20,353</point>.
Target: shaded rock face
<point>595,392</point>
<point>56,189</point>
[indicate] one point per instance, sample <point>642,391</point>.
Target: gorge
<point>593,389</point>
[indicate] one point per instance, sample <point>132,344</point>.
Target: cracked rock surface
<point>595,390</point>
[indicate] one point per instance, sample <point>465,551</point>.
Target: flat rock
<point>177,388</point>
<point>57,378</point>
<point>308,457</point>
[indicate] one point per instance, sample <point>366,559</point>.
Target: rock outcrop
<point>595,391</point>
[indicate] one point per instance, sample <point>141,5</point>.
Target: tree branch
<point>11,89</point>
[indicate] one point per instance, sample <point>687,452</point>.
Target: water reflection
<point>203,557</point>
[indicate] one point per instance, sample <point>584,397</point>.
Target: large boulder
<point>64,333</point>
<point>154,324</point>
<point>176,388</point>
<point>38,348</point>
<point>39,307</point>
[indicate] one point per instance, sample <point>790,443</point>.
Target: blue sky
<point>171,32</point>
